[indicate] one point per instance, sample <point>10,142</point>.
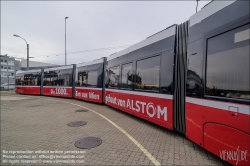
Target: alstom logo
<point>147,108</point>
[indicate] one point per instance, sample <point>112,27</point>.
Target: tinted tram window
<point>148,73</point>
<point>58,78</point>
<point>19,80</point>
<point>92,78</point>
<point>167,70</point>
<point>31,79</point>
<point>127,76</point>
<point>228,60</point>
<point>64,80</point>
<point>82,79</point>
<point>51,78</point>
<point>113,77</point>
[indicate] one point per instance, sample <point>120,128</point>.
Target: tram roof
<point>101,60</point>
<point>28,71</point>
<point>59,68</point>
<point>169,31</point>
<point>208,10</point>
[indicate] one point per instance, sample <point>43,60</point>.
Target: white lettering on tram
<point>84,95</point>
<point>78,94</point>
<point>139,106</point>
<point>92,95</point>
<point>59,91</point>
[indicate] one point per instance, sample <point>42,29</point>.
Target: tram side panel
<point>28,82</point>
<point>141,82</point>
<point>58,91</point>
<point>58,81</point>
<point>89,81</point>
<point>218,92</point>
<point>33,90</point>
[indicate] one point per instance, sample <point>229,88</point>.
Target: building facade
<point>7,69</point>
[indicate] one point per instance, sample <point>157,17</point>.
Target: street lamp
<point>27,50</point>
<point>197,5</point>
<point>65,43</point>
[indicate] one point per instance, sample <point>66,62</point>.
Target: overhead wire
<point>86,51</point>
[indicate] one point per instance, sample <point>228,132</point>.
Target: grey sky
<point>91,25</point>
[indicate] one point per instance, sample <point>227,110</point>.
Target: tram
<point>192,78</point>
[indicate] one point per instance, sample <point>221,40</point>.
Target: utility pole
<point>197,5</point>
<point>65,43</point>
<point>8,72</point>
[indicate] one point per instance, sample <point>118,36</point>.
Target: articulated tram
<point>192,78</point>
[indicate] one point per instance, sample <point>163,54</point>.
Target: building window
<point>1,67</point>
<point>10,62</point>
<point>148,73</point>
<point>1,60</point>
<point>227,73</point>
<point>113,77</point>
<point>127,76</point>
<point>5,61</point>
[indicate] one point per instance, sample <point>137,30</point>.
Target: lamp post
<point>197,5</point>
<point>65,42</point>
<point>27,50</point>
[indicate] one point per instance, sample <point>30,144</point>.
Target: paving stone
<point>36,123</point>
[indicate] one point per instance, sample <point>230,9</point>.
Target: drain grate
<point>82,110</point>
<point>88,142</point>
<point>77,123</point>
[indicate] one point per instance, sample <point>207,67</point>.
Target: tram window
<point>82,78</point>
<point>19,79</point>
<point>148,73</point>
<point>47,79</point>
<point>227,73</point>
<point>29,79</point>
<point>113,77</point>
<point>64,80</point>
<point>127,76</point>
<point>92,78</point>
<point>55,80</point>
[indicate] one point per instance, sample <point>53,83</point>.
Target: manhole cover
<point>82,110</point>
<point>77,123</point>
<point>88,142</point>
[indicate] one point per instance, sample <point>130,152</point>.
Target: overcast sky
<point>91,25</point>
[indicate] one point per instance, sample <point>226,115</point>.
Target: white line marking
<point>151,158</point>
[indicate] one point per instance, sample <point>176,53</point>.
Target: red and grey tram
<point>192,78</point>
